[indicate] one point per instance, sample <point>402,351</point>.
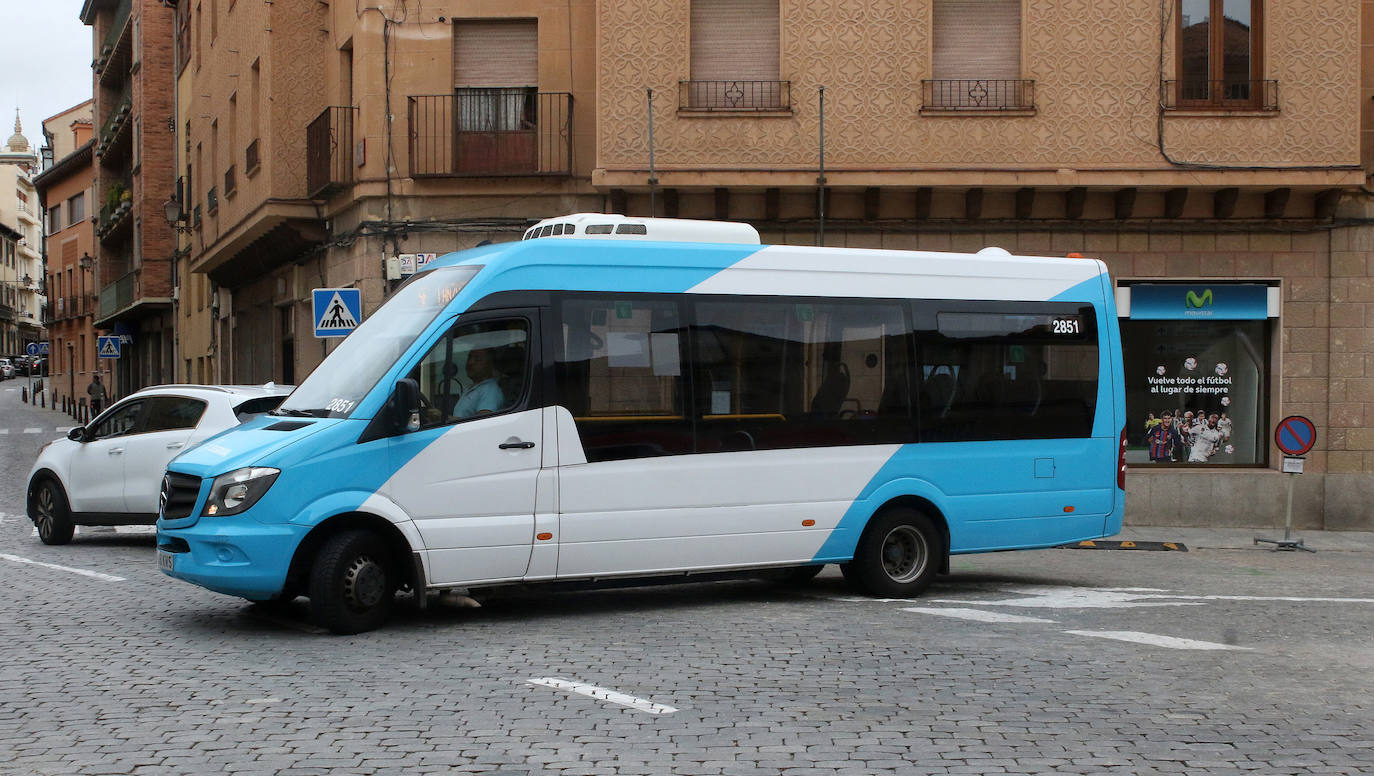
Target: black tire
<point>898,555</point>
<point>51,515</point>
<point>352,583</point>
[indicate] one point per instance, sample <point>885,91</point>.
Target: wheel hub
<point>904,554</point>
<point>364,583</point>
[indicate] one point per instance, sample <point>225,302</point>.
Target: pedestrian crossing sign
<point>336,311</point>
<point>107,347</point>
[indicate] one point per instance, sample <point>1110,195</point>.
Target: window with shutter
<point>976,61</point>
<point>495,99</point>
<point>735,56</point>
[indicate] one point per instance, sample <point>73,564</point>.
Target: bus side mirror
<point>405,404</point>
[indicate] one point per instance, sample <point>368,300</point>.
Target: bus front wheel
<point>351,583</point>
<point>898,554</point>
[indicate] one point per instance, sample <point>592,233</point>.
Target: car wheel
<point>51,515</point>
<point>351,583</point>
<point>898,554</point>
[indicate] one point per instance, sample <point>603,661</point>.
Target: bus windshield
<point>336,386</point>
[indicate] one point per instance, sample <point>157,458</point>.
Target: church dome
<point>18,143</point>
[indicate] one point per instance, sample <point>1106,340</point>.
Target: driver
<point>485,395</point>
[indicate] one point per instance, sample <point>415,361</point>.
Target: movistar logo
<point>1193,300</point>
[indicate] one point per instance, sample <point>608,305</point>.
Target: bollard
<point>24,394</point>
<point>42,399</point>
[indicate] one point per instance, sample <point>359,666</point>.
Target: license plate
<point>165,560</point>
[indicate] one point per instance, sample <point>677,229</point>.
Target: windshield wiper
<point>295,413</point>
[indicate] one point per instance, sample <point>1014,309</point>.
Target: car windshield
<point>336,386</point>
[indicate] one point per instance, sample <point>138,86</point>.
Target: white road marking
<point>33,431</point>
<point>1045,597</point>
<point>976,615</point>
<point>82,572</point>
<point>4,431</point>
<point>601,694</point>
<point>63,429</point>
<point>1155,640</point>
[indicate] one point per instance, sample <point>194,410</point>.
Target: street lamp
<point>85,262</point>
<point>171,210</point>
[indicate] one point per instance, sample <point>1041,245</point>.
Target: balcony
<point>118,295</point>
<point>734,96</point>
<point>977,95</point>
<point>490,133</point>
<point>115,55</point>
<point>116,126</point>
<point>117,211</point>
<point>329,151</point>
<point>1199,94</point>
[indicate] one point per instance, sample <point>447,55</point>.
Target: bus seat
<point>834,390</point>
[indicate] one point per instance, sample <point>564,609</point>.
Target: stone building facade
<point>1218,161</point>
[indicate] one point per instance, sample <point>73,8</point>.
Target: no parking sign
<point>1295,435</point>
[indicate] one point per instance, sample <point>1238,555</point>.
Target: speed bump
<point>1100,544</point>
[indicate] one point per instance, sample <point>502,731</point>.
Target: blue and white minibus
<point>595,409</point>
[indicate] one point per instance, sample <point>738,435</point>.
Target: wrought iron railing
<point>329,151</point>
<point>978,94</point>
<point>490,132</point>
<point>734,95</point>
<point>1232,94</point>
<point>117,24</point>
<point>120,108</point>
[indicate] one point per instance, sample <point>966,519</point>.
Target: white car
<point>6,369</point>
<point>110,472</point>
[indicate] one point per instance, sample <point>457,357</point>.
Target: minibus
<point>593,410</point>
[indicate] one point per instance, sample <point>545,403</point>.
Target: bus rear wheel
<point>352,583</point>
<point>898,554</point>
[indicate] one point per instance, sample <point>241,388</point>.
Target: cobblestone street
<point>1213,661</point>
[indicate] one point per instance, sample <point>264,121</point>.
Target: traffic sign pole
<point>1294,435</point>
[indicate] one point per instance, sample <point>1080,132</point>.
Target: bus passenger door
<point>467,476</point>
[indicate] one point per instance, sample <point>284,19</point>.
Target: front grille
<point>179,492</point>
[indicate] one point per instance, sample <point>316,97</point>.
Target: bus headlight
<point>238,490</point>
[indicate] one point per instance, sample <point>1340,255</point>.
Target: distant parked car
<point>7,370</point>
<point>110,472</point>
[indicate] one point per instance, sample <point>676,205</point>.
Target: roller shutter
<point>977,39</point>
<point>502,53</point>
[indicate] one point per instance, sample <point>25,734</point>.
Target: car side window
<point>124,420</point>
<point>475,369</point>
<point>170,413</point>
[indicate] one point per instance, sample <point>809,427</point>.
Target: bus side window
<point>1004,370</point>
<point>618,370</point>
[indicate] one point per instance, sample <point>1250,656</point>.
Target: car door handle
<point>516,445</point>
<point>175,445</point>
<point>116,451</point>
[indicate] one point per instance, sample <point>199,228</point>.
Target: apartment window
<point>1218,58</point>
<point>735,56</point>
<point>76,208</point>
<point>976,57</point>
<point>183,36</point>
<point>54,219</point>
<point>496,75</point>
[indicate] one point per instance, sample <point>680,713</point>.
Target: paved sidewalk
<point>1244,538</point>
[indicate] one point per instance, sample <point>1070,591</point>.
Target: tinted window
<point>474,369</point>
<point>599,229</point>
<point>123,420</point>
<point>1006,370</point>
<point>619,372</point>
<point>257,406</point>
<point>168,413</point>
<point>631,229</point>
<point>771,374</point>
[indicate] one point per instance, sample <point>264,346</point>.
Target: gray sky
<point>45,62</point>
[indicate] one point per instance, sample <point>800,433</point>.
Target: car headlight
<point>238,490</point>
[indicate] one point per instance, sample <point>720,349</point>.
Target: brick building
<point>134,176</point>
<point>64,188</point>
<point>1220,161</point>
